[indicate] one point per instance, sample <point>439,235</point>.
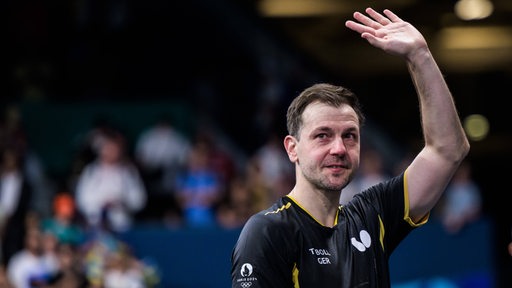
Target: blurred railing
<point>190,258</point>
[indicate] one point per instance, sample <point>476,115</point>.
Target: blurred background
<point>218,76</point>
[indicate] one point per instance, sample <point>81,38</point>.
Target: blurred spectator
<point>109,262</point>
<point>110,187</point>
<point>87,146</point>
<point>161,153</point>
<point>15,199</point>
<point>90,144</point>
<point>276,170</point>
<point>63,223</point>
<point>220,158</point>
<point>372,171</point>
<point>49,257</point>
<point>14,135</point>
<point>123,270</point>
<point>27,269</point>
<point>266,176</point>
<point>461,203</point>
<point>199,188</point>
<point>263,194</point>
<point>238,206</point>
<point>70,273</point>
<point>100,244</point>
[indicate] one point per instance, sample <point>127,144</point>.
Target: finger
<point>392,16</point>
<point>381,19</point>
<point>366,20</point>
<point>358,27</point>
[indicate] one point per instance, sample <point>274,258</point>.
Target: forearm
<point>446,144</point>
<point>442,129</point>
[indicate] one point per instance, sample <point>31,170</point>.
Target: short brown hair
<point>324,93</point>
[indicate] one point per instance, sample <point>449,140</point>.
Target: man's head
<point>324,136</point>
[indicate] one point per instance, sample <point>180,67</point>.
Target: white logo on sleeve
<point>246,270</point>
<point>246,280</point>
<point>366,241</point>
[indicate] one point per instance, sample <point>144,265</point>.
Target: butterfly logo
<point>365,242</point>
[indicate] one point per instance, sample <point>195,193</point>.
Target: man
<point>306,239</point>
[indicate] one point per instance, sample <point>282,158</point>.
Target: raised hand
<point>389,33</point>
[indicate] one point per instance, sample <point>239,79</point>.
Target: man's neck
<point>322,205</point>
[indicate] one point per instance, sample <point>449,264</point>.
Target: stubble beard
<point>324,183</point>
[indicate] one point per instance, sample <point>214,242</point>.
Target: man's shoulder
<point>278,216</point>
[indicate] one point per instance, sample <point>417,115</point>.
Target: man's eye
<point>349,136</point>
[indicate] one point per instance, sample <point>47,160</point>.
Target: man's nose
<point>338,146</point>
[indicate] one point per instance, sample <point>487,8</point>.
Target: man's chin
<point>336,187</point>
<point>339,181</point>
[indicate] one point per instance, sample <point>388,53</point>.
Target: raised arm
<point>446,144</point>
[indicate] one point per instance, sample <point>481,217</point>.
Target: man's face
<point>328,151</point>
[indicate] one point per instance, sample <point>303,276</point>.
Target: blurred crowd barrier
<point>429,257</point>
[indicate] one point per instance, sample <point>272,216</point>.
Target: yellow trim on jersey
<point>335,219</point>
<point>280,209</point>
<point>407,218</point>
<point>295,276</point>
<point>381,233</point>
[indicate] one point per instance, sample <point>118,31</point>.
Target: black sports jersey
<point>284,246</point>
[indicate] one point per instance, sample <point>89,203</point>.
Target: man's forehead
<point>321,112</point>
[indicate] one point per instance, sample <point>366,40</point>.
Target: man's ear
<point>290,144</point>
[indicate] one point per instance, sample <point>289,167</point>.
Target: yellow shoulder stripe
<point>280,209</point>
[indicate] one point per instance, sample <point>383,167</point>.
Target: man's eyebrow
<point>352,128</point>
<point>322,129</point>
